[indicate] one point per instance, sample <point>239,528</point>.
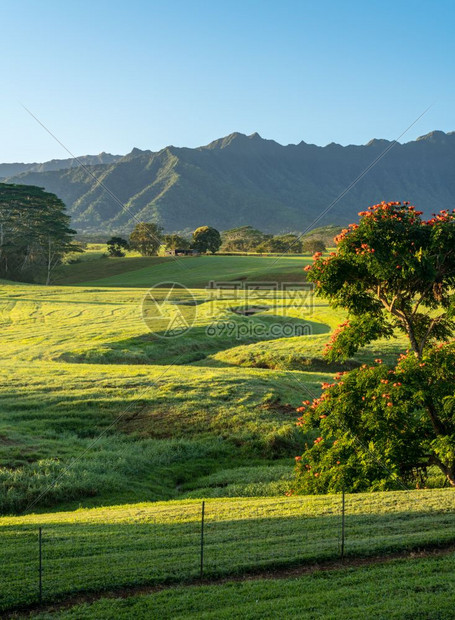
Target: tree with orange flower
<point>377,425</point>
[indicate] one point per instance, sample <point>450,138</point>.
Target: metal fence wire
<point>175,542</point>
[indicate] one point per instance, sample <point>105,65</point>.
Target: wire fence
<point>96,550</point>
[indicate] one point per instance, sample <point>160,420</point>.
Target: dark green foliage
<point>116,246</point>
<point>176,242</point>
<point>373,428</point>
<point>381,425</point>
<point>355,333</point>
<point>34,232</point>
<point>326,233</point>
<point>249,239</point>
<point>396,269</point>
<point>282,244</point>
<point>146,238</point>
<point>206,239</point>
<point>313,244</point>
<point>292,243</point>
<point>242,239</point>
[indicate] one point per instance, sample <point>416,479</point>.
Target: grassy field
<point>87,382</point>
<point>406,589</point>
<point>193,272</point>
<point>100,412</point>
<point>152,543</point>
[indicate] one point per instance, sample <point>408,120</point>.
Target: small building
<point>181,252</point>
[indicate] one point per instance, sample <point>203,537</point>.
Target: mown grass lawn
<point>406,589</point>
<point>152,543</point>
<point>192,272</point>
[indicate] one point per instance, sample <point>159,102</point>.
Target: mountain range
<point>9,170</point>
<point>240,180</point>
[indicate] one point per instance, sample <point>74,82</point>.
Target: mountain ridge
<point>56,164</point>
<point>246,179</point>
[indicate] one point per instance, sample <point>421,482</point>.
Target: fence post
<point>343,506</point>
<point>40,565</point>
<point>202,538</point>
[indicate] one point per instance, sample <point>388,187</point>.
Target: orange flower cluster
<point>318,401</point>
<point>386,207</point>
<point>389,210</point>
<point>345,232</point>
<point>334,336</point>
<point>364,249</point>
<point>442,216</point>
<point>307,405</point>
<point>341,236</point>
<point>340,374</point>
<point>301,421</point>
<point>319,263</point>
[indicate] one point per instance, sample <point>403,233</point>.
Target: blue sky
<point>110,76</point>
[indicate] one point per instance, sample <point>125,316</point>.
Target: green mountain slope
<point>248,180</point>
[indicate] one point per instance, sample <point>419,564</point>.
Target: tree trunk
<point>438,426</point>
<point>447,470</point>
<point>412,339</point>
<point>449,473</point>
<point>49,264</point>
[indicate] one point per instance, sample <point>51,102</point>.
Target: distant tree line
<point>147,238</point>
<point>34,233</point>
<point>249,239</point>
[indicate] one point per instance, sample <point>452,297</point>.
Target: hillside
<point>7,170</point>
<point>240,180</point>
